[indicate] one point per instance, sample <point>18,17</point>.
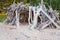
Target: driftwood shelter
<point>36,17</point>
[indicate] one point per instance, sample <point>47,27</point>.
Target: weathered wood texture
<point>30,14</point>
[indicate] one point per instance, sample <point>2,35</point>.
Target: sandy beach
<point>8,32</point>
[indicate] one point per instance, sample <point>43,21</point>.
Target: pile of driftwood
<point>37,17</point>
<point>22,11</point>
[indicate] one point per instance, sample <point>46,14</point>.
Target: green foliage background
<point>54,3</point>
<point>6,3</point>
<point>3,17</point>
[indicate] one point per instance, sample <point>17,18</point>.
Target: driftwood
<point>21,13</point>
<point>11,12</point>
<point>37,17</point>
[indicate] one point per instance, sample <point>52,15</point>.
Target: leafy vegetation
<point>2,17</point>
<point>6,3</point>
<point>54,3</point>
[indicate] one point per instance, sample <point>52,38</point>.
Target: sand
<point>8,32</point>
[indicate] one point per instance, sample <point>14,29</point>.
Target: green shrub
<point>2,17</point>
